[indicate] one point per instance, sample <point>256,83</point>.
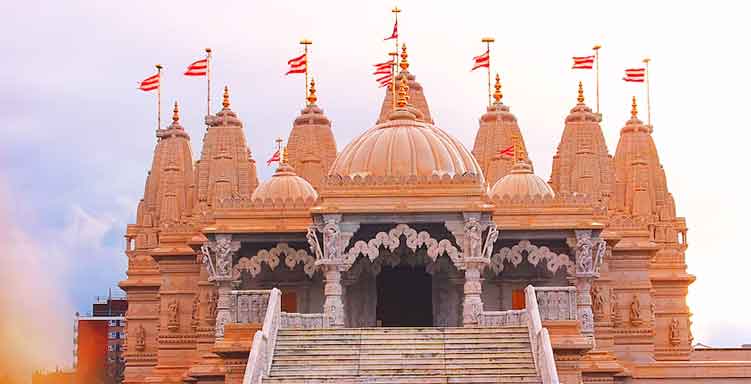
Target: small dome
<point>284,185</point>
<point>405,146</point>
<point>521,182</point>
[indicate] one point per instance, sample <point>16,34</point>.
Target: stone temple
<point>407,258</point>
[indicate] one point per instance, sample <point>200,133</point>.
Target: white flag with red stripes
<point>150,83</point>
<point>635,75</point>
<point>583,62</point>
<point>387,70</point>
<point>298,64</point>
<point>482,61</point>
<point>386,80</point>
<point>198,68</point>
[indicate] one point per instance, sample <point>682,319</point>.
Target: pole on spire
<point>396,12</point>
<point>596,48</point>
<point>394,60</point>
<point>208,81</point>
<point>305,43</point>
<point>646,78</point>
<point>159,98</point>
<point>312,98</point>
<point>488,41</point>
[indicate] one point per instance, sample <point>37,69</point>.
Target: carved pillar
<point>217,258</point>
<point>589,254</point>
<point>475,257</point>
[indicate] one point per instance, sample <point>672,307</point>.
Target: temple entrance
<point>405,297</point>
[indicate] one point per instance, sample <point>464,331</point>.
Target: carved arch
<point>535,255</point>
<point>272,258</point>
<point>392,239</point>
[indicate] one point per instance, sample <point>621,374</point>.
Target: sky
<point>78,138</point>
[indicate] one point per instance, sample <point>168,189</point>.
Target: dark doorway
<point>405,297</point>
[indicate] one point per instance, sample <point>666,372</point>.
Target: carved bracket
<point>272,258</point>
<point>534,255</point>
<point>217,257</point>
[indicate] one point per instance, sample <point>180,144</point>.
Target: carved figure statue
<point>194,313</point>
<point>211,305</point>
<point>600,249</point>
<point>223,256</point>
<point>173,309</point>
<point>675,332</point>
<point>330,239</point>
<point>584,262</point>
<point>635,312</point>
<point>598,301</point>
<point>140,338</point>
<point>315,247</point>
<point>473,232</point>
<point>613,306</point>
<point>487,250</point>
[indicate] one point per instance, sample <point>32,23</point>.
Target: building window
<point>114,335</point>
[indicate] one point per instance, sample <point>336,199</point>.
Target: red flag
<point>385,64</point>
<point>383,71</point>
<point>395,33</point>
<point>274,158</point>
<point>507,151</point>
<point>482,60</point>
<point>385,80</point>
<point>583,62</point>
<point>150,83</point>
<point>198,68</point>
<point>635,75</point>
<point>298,64</point>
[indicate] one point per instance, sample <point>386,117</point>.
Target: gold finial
<point>284,156</point>
<point>312,98</point>
<point>175,114</point>
<point>404,64</point>
<point>580,98</point>
<point>497,95</point>
<point>396,9</point>
<point>403,91</point>
<point>225,100</point>
<point>634,111</point>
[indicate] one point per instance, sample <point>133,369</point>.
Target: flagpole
<point>305,43</point>
<point>596,48</point>
<point>396,12</point>
<point>394,57</point>
<point>649,103</point>
<point>488,41</point>
<point>208,81</point>
<point>159,98</point>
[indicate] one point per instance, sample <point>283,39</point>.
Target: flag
<point>385,80</point>
<point>635,75</point>
<point>583,62</point>
<point>298,64</point>
<point>150,83</point>
<point>395,33</point>
<point>507,151</point>
<point>482,60</point>
<point>274,158</point>
<point>383,68</point>
<point>198,68</point>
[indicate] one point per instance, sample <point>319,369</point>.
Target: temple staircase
<point>403,355</point>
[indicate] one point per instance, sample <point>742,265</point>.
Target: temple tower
<point>226,169</point>
<point>498,131</point>
<point>415,96</point>
<point>646,209</point>
<point>167,201</point>
<point>311,144</point>
<point>582,163</point>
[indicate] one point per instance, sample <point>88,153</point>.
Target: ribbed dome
<point>405,146</point>
<point>521,182</point>
<point>284,185</point>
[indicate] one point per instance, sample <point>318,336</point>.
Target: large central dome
<point>405,146</point>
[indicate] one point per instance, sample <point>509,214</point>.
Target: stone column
<point>330,260</point>
<point>218,258</point>
<point>589,256</point>
<point>333,305</point>
<point>475,257</point>
<point>472,305</point>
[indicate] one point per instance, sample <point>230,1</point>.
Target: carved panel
<point>534,255</point>
<point>272,258</point>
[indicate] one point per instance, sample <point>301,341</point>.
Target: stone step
<point>437,379</point>
<point>399,337</point>
<point>469,363</point>
<point>413,371</point>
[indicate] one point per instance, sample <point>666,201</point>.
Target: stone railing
<point>542,349</point>
<point>514,317</point>
<point>556,303</point>
<point>302,320</point>
<point>264,341</point>
<point>248,306</point>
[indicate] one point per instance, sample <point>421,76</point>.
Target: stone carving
<point>211,300</point>
<point>556,303</point>
<point>302,320</point>
<point>473,237</point>
<point>315,246</point>
<point>635,312</point>
<point>272,258</point>
<point>249,306</point>
<point>490,239</point>
<point>535,254</point>
<point>331,235</point>
<point>392,239</point>
<point>140,338</point>
<point>195,312</point>
<point>598,301</point>
<point>513,318</point>
<point>217,256</point>
<point>613,307</point>
<point>173,310</point>
<point>675,332</point>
